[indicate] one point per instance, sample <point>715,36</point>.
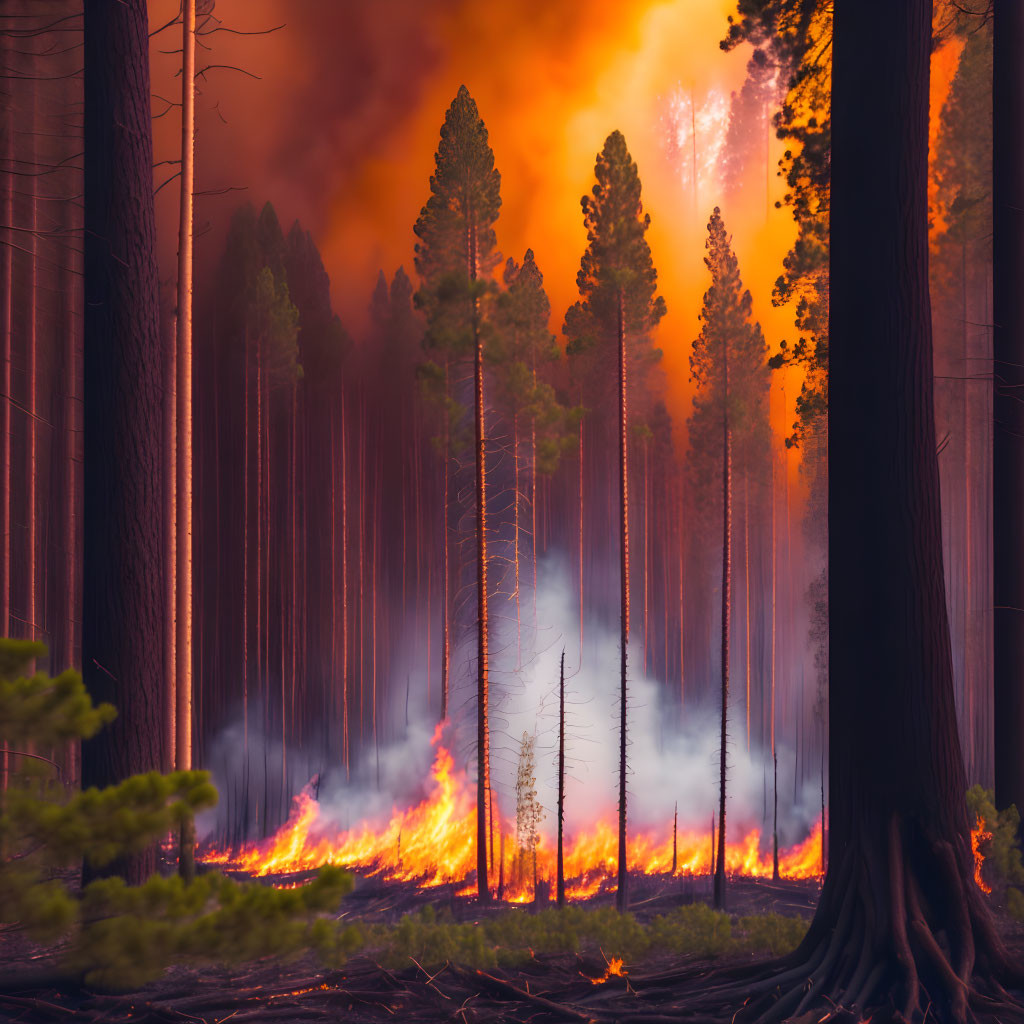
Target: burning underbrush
<point>433,844</point>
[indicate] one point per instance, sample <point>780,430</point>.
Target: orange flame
<point>979,836</point>
<point>434,842</point>
<point>615,968</point>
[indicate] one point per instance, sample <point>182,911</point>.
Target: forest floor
<point>545,988</point>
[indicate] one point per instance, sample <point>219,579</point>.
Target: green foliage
<point>1004,866</point>
<point>796,36</point>
<point>729,367</point>
<point>616,271</point>
<point>771,933</point>
<point>515,936</point>
<point>455,257</point>
<point>121,936</point>
<point>455,229</point>
<point>522,352</point>
<point>130,933</point>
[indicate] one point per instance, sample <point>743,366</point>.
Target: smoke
<point>672,752</point>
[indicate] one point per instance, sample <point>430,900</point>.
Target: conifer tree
<point>455,256</point>
<point>729,366</point>
<point>617,311</point>
<point>522,354</point>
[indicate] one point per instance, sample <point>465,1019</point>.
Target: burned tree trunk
<point>123,607</point>
<point>1008,413</point>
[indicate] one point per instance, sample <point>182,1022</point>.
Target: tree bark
<point>123,609</point>
<point>183,491</point>
<point>1008,413</point>
<point>482,624</point>
<point>900,920</point>
<point>719,886</point>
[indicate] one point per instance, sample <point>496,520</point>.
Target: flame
<point>615,968</point>
<point>434,843</point>
<point>979,836</point>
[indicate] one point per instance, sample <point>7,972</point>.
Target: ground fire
<point>433,843</point>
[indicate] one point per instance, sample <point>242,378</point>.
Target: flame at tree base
<point>434,843</point>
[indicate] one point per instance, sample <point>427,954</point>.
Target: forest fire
<point>433,843</point>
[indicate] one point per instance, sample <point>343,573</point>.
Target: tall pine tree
<point>729,366</point>
<point>455,255</point>
<point>617,311</point>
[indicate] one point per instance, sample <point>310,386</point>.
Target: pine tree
<point>522,356</point>
<point>729,366</point>
<point>455,255</point>
<point>617,311</point>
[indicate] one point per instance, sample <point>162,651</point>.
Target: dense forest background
<point>333,499</point>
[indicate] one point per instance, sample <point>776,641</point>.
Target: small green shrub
<point>120,936</point>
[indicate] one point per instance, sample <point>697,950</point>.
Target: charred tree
<point>123,612</point>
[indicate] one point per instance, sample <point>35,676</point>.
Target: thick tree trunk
<point>6,355</point>
<point>123,612</point>
<point>1008,412</point>
<point>900,922</point>
<point>621,895</point>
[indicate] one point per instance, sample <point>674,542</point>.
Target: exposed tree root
<point>912,941</point>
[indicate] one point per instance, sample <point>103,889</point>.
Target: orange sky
<point>341,127</point>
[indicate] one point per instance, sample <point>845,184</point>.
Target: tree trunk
<point>719,887</point>
<point>345,743</point>
<point>900,920</point>
<point>560,877</point>
<point>170,711</point>
<point>482,625</point>
<point>775,756</point>
<point>6,340</point>
<point>445,566</point>
<point>621,895</point>
<point>1008,413</point>
<point>183,493</point>
<point>123,611</point>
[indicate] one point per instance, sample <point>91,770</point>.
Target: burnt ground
<point>547,988</point>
